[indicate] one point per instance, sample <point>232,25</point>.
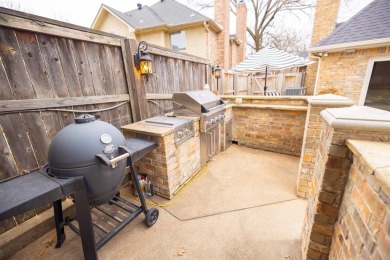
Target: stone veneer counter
<point>271,127</point>
<point>376,159</point>
<point>168,166</point>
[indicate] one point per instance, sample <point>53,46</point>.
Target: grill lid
<point>77,144</point>
<point>199,101</point>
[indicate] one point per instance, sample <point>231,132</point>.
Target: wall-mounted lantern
<point>142,61</point>
<point>217,72</point>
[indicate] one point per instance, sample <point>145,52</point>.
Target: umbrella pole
<point>265,80</point>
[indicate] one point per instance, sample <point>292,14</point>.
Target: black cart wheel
<point>151,217</point>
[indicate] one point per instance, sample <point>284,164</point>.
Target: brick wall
<point>241,22</point>
<point>324,23</point>
<point>222,17</point>
<point>169,167</point>
<point>270,129</point>
<point>346,71</point>
<point>363,226</point>
<point>311,138</point>
<point>332,165</point>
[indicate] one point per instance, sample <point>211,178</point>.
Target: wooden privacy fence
<point>172,72</point>
<point>234,83</point>
<point>51,72</point>
<point>277,83</point>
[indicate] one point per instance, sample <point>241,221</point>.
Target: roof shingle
<point>166,12</point>
<point>372,22</point>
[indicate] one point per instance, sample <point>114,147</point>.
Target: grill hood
<point>92,149</point>
<point>199,101</point>
<point>77,144</point>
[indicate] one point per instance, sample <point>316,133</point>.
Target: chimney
<point>324,20</point>
<point>241,22</point>
<point>139,6</point>
<point>324,23</point>
<point>222,14</point>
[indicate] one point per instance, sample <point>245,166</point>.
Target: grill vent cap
<point>85,118</point>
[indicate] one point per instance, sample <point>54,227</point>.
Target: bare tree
<point>264,12</point>
<point>287,40</point>
<point>11,5</point>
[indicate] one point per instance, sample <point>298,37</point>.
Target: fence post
<point>221,88</point>
<point>235,85</point>
<point>138,102</point>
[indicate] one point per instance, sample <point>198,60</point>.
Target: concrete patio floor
<point>243,206</point>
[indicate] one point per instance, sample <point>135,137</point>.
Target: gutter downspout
<point>206,25</point>
<point>318,72</point>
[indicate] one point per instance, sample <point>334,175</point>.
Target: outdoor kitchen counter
<point>277,107</point>
<point>148,129</point>
<point>169,165</point>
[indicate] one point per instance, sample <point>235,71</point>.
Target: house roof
<point>163,13</point>
<point>369,27</point>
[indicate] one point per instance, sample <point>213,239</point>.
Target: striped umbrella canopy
<point>271,59</point>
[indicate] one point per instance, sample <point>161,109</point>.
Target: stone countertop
<point>376,157</point>
<point>151,129</point>
<point>145,128</point>
<point>276,107</point>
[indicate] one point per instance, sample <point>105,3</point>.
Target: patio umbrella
<point>270,58</point>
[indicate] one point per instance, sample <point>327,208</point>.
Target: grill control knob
<point>180,134</point>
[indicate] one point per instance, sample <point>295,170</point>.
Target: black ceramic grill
<point>87,161</point>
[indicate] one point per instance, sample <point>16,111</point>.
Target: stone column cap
<point>375,156</point>
<point>330,100</point>
<point>358,118</point>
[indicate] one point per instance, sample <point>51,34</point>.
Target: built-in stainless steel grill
<point>183,127</point>
<point>211,110</point>
<point>203,103</point>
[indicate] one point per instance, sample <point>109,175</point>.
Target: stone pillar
<point>311,138</point>
<point>324,23</point>
<point>222,17</point>
<point>332,165</point>
<point>241,21</point>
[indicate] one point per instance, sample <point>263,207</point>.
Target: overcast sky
<point>83,12</point>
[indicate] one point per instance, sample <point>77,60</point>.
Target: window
<point>178,41</point>
<point>378,92</point>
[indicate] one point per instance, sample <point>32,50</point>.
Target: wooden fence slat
<point>48,49</point>
<point>71,75</point>
<point>130,79</point>
<point>121,84</point>
<point>7,162</point>
<point>14,65</point>
<point>46,27</point>
<point>39,80</point>
<point>18,82</point>
<point>98,79</point>
<point>105,61</point>
<point>69,67</point>
<point>137,82</point>
<point>18,142</point>
<point>34,64</point>
<point>84,71</point>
